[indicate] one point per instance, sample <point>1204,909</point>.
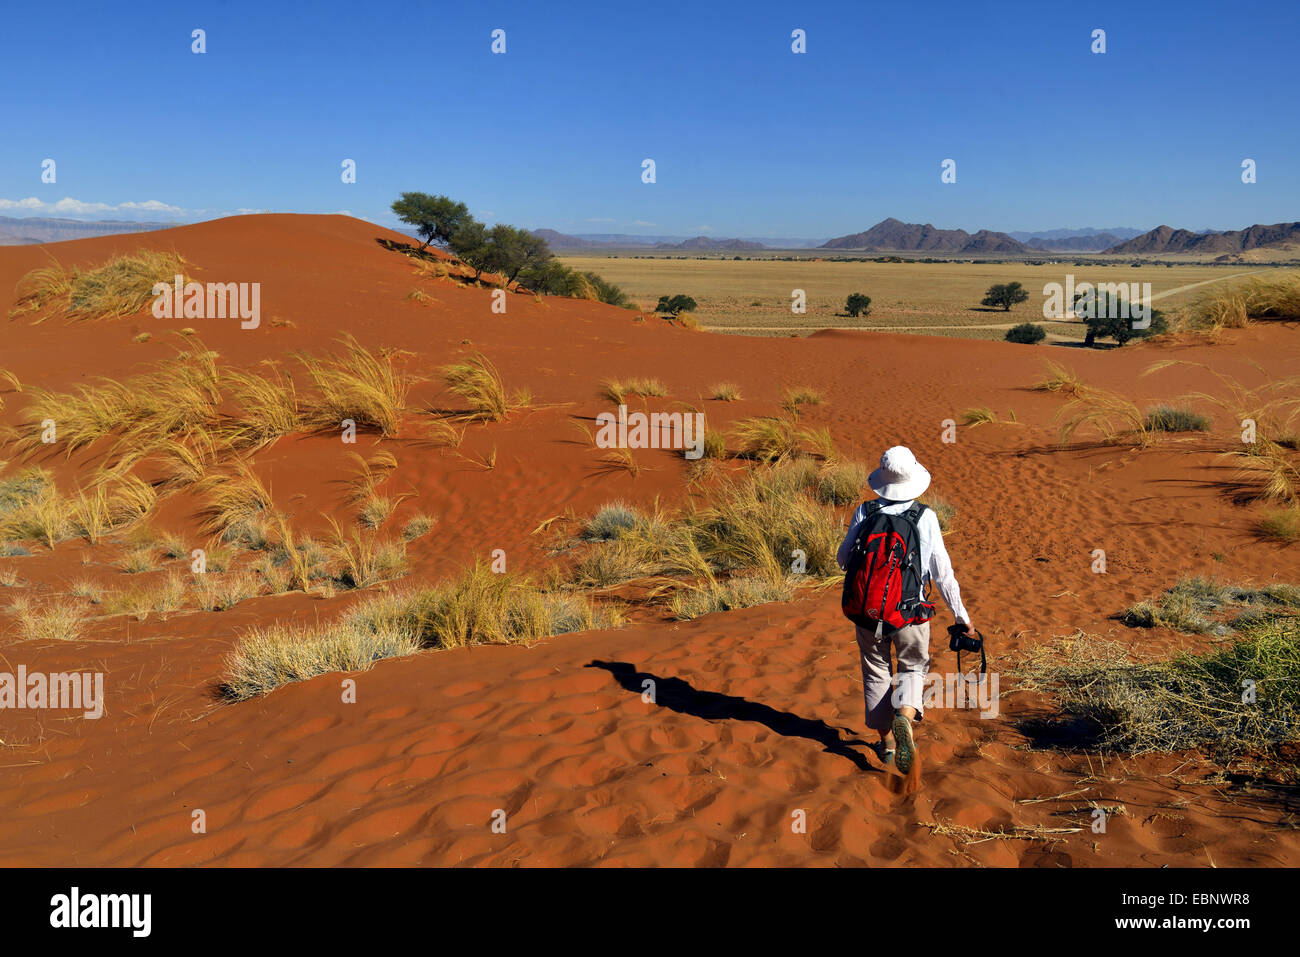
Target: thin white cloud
<point>642,222</point>
<point>74,208</point>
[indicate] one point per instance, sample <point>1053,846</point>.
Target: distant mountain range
<point>558,240</point>
<point>1165,240</point>
<point>27,230</point>
<point>1258,242</point>
<point>894,235</point>
<point>1088,243</point>
<point>1123,232</point>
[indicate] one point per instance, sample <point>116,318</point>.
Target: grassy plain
<point>753,296</point>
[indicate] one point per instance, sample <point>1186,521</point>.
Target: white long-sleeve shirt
<point>935,564</point>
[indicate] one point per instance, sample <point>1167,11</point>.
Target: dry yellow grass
<point>371,473</point>
<point>1060,379</point>
<point>479,607</point>
<point>358,385</point>
<point>477,381</point>
<point>775,438</point>
<point>120,287</point>
<point>236,500</point>
<point>267,404</point>
<point>269,656</point>
<point>618,390</point>
<point>1255,298</point>
<point>363,560</point>
<point>52,621</point>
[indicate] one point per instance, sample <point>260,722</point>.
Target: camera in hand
<point>958,640</point>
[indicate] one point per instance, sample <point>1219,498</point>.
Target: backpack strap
<point>868,510</point>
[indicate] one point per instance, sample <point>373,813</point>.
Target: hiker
<point>892,549</point>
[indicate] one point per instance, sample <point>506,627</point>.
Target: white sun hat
<point>900,476</point>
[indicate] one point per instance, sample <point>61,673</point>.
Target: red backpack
<point>882,581</point>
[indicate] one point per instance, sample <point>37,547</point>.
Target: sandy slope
<point>759,712</point>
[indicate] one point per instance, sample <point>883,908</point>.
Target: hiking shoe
<point>906,746</point>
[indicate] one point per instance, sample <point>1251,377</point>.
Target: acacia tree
<point>471,246</point>
<point>675,304</point>
<point>1108,317</point>
<point>1005,295</point>
<point>858,305</point>
<point>435,218</point>
<point>514,250</point>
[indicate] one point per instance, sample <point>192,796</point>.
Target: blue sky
<point>748,138</point>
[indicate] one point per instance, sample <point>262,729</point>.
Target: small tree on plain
<point>675,304</point>
<point>1004,296</point>
<point>858,305</point>
<point>1111,318</point>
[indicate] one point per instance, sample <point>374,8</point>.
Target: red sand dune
<point>759,709</point>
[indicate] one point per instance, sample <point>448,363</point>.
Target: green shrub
<point>1027,333</point>
<point>672,305</point>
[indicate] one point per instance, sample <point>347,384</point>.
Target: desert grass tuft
<point>1272,470</point>
<point>358,385</point>
<point>772,439</point>
<point>978,416</point>
<point>618,390</point>
<point>477,381</point>
<point>1164,418</point>
<point>218,592</point>
<point>1113,416</point>
<point>611,521</point>
<point>841,483</point>
<point>417,527</point>
<point>725,392</point>
<point>740,591</point>
<point>273,655</point>
<point>1255,298</point>
<point>796,397</point>
<point>54,621</point>
<point>266,404</point>
<point>238,502</point>
<point>362,560</point>
<point>1060,379</point>
<point>377,509</point>
<point>478,607</point>
<point>1189,701</point>
<point>1201,606</point>
<point>1281,525</point>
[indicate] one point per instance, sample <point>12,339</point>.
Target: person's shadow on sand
<point>678,695</point>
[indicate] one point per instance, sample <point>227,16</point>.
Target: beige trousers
<point>911,644</point>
